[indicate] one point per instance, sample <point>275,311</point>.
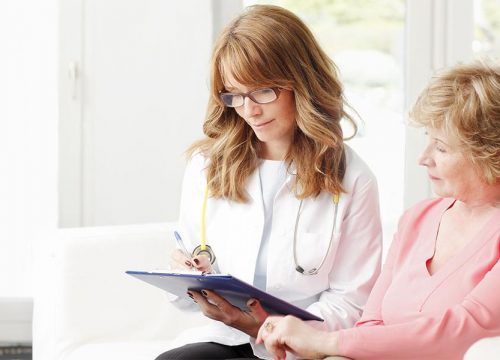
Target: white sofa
<point>86,307</point>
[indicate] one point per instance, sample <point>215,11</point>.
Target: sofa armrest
<point>92,298</point>
<point>484,349</point>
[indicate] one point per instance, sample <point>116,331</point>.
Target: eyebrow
<point>441,141</point>
<point>434,137</point>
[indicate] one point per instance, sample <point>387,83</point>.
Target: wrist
<point>328,343</point>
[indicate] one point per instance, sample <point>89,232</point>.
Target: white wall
<point>28,151</point>
<point>143,91</point>
<point>138,102</point>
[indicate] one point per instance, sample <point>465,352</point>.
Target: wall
<point>136,101</point>
<point>28,152</point>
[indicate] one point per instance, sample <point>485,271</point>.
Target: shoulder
<point>196,164</point>
<point>195,172</point>
<point>358,174</point>
<point>432,205</point>
<point>419,220</point>
<point>424,211</point>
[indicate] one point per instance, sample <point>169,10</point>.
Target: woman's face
<point>273,123</point>
<point>450,172</point>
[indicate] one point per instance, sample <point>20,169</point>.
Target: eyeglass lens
<point>260,96</point>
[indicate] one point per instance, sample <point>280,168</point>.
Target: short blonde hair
<point>464,100</point>
<point>268,46</point>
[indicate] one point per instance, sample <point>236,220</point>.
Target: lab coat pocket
<point>314,251</point>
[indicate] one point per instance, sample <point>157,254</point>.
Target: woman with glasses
<point>438,291</point>
<point>272,192</point>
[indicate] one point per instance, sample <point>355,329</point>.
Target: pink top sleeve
<point>411,314</point>
<point>372,311</point>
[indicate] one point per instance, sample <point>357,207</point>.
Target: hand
<point>217,308</point>
<point>179,261</point>
<point>282,334</point>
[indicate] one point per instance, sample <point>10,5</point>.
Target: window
<point>486,28</point>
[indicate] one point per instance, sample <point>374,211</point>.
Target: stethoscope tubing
<point>314,270</point>
<point>206,250</point>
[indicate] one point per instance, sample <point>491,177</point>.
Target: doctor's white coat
<point>234,231</point>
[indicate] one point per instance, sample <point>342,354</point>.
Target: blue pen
<point>180,244</point>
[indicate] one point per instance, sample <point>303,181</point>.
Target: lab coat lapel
<point>256,222</point>
<point>280,256</point>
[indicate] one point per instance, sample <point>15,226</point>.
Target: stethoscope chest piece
<point>301,270</point>
<point>208,252</point>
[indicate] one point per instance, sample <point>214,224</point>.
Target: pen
<point>180,244</point>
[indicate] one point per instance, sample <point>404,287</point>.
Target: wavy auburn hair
<point>464,100</point>
<point>268,46</point>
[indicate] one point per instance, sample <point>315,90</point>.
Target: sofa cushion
<point>86,299</point>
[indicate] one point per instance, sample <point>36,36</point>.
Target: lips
<point>261,125</point>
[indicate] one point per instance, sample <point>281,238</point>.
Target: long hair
<point>464,100</point>
<point>268,46</point>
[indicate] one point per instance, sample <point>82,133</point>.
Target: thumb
<point>202,263</point>
<point>256,310</point>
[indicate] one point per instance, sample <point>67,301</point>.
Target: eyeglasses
<point>259,96</point>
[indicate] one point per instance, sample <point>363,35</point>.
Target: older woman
<point>438,291</point>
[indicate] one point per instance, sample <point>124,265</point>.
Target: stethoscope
<point>315,270</point>
<point>206,250</point>
<point>203,248</point>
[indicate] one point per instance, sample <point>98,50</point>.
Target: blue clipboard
<point>234,290</point>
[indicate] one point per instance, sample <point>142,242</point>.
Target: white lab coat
<point>234,230</point>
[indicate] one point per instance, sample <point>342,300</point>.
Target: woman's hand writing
<point>179,261</point>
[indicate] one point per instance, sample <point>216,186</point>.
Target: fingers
<point>213,306</point>
<point>269,335</point>
<point>202,263</point>
<point>257,311</point>
<point>266,329</point>
<point>217,300</point>
<point>218,308</point>
<point>180,261</point>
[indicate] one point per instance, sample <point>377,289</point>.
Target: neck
<point>273,151</point>
<point>486,201</point>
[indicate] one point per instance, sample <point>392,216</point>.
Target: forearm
<point>452,332</point>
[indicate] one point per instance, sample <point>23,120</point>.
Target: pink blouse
<point>411,314</point>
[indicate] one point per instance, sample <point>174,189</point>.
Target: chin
<point>437,190</point>
<point>442,193</point>
<point>262,138</point>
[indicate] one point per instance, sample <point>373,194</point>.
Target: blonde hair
<point>268,46</point>
<point>464,100</point>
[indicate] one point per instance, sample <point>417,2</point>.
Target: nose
<point>425,159</point>
<point>251,108</point>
